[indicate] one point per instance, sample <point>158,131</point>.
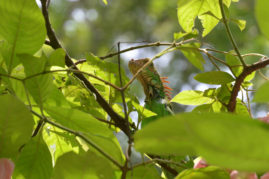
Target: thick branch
<point>119,121</point>
<point>240,79</point>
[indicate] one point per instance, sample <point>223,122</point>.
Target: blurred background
<point>85,26</point>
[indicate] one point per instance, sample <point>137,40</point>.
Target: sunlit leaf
<point>191,97</point>
<point>240,23</point>
<point>195,57</point>
<point>105,2</point>
<point>59,142</point>
<point>189,10</point>
<point>143,111</point>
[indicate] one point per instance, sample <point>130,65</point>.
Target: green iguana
<point>157,93</point>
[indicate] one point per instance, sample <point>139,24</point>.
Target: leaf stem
<point>228,30</point>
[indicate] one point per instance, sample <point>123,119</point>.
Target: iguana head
<point>151,81</point>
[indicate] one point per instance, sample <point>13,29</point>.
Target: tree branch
<point>240,79</point>
<point>119,121</point>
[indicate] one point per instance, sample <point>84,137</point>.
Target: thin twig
<point>74,71</point>
<point>122,91</point>
<point>155,44</point>
<point>228,30</point>
<point>212,61</point>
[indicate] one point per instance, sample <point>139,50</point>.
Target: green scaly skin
<point>156,99</point>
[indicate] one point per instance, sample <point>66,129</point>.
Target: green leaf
<point>240,23</point>
<point>216,106</point>
<point>105,2</point>
<point>211,172</point>
<point>57,58</point>
<point>59,142</point>
<point>250,76</point>
<point>16,125</point>
<point>143,111</point>
<point>39,86</point>
<point>214,77</point>
<point>261,11</point>
<point>85,165</point>
<point>203,108</point>
<point>241,108</point>
<point>144,172</point>
<point>191,97</point>
<point>34,161</point>
<point>22,26</point>
<point>193,55</point>
<point>96,131</point>
<point>222,139</point>
<point>189,10</point>
<point>234,62</point>
<point>186,35</point>
<point>262,95</point>
<point>159,138</point>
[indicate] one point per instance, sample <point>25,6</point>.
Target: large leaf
<point>262,94</point>
<point>86,165</point>
<point>22,26</point>
<point>210,172</point>
<point>193,55</point>
<point>16,125</point>
<point>96,131</point>
<point>166,136</point>
<point>214,77</point>
<point>191,98</point>
<point>261,11</point>
<point>189,10</point>
<point>34,161</point>
<point>227,140</point>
